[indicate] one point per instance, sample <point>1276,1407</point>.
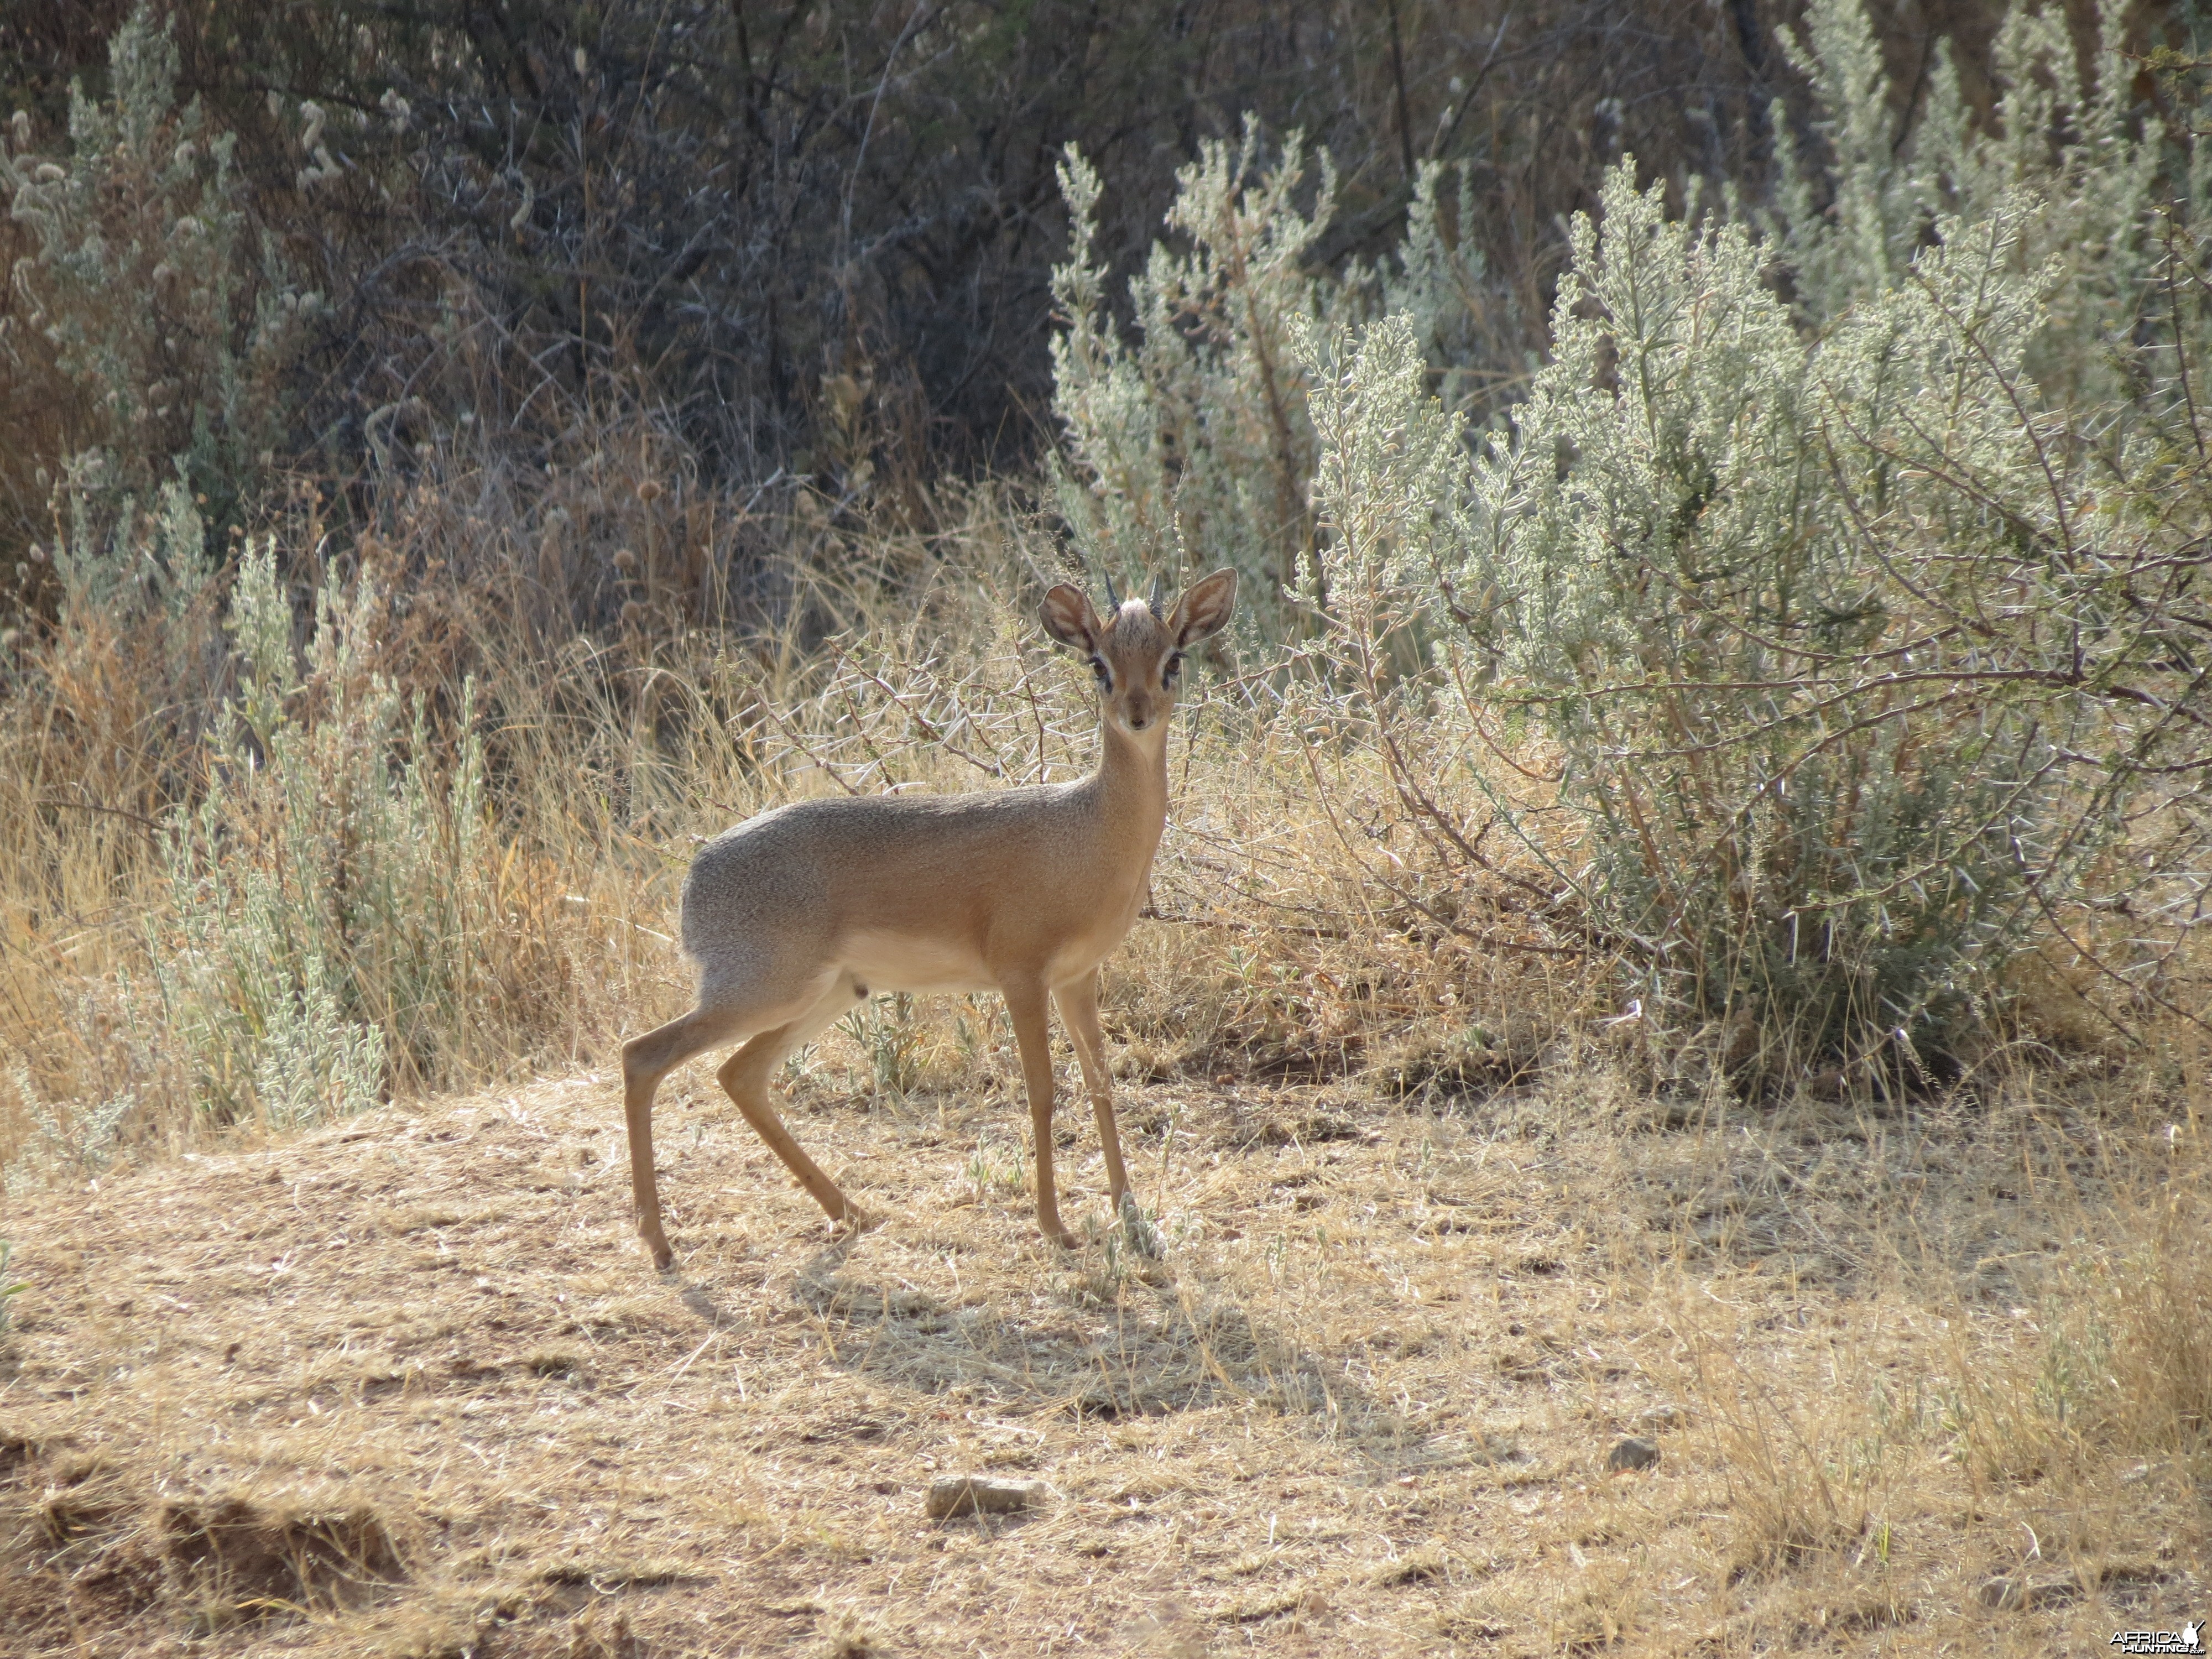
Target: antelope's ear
<point>1204,609</point>
<point>1069,618</point>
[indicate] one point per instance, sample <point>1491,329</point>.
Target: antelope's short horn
<point>1153,603</point>
<point>1113,595</point>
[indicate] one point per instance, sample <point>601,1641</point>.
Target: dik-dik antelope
<point>795,916</point>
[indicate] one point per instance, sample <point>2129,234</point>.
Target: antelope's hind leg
<point>745,1076</point>
<point>645,1061</point>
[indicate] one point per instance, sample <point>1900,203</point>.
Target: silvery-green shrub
<point>177,323</point>
<point>2066,150</point>
<point>1194,435</point>
<point>330,898</point>
<point>1853,653</point>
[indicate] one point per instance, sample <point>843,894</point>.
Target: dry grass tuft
<point>239,1557</point>
<point>850,1636</point>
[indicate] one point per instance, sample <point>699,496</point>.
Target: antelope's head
<point>1136,650</point>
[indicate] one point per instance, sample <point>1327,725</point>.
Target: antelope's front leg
<point>1026,1007</point>
<point>1078,1002</point>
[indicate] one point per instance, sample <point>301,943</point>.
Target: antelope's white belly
<point>899,962</point>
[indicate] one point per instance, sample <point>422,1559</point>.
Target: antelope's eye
<point>1173,668</point>
<point>1105,675</point>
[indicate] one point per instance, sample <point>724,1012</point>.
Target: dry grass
<point>1292,952</point>
<point>1439,1231</point>
<point>416,1367</point>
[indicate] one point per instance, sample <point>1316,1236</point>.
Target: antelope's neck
<point>1132,786</point>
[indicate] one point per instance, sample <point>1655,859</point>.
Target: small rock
<point>1660,1418</point>
<point>979,1494</point>
<point>2001,1593</point>
<point>1632,1454</point>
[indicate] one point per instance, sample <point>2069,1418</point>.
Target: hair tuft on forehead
<point>1136,626</point>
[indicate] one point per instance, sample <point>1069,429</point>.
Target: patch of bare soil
<point>408,1386</point>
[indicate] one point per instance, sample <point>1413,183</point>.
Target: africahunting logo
<point>2190,1638</point>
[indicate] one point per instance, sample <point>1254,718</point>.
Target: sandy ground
<point>407,1385</point>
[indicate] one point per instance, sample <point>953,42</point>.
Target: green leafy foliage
<point>1196,436</point>
<point>331,902</point>
<point>1841,561</point>
<point>2067,151</point>
<point>175,323</point>
<point>1856,657</point>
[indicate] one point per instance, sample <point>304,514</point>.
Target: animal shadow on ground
<point>1109,1339</point>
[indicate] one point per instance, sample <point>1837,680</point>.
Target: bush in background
<point>814,240</point>
<point>1197,435</point>
<point>175,325</point>
<point>1865,658</point>
<point>2066,148</point>
<point>1788,660</point>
